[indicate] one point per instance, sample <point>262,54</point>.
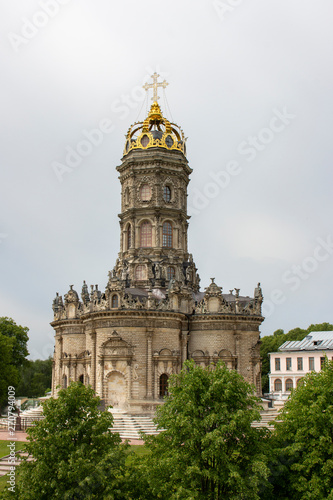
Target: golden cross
<point>155,86</point>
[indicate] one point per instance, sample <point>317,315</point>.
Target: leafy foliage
<point>303,441</point>
<point>13,352</point>
<point>208,449</point>
<point>76,454</point>
<point>36,378</point>
<point>271,343</point>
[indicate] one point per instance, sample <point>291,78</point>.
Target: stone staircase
<point>5,465</point>
<point>129,426</point>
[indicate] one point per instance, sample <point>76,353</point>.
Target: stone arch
<point>277,385</point>
<point>165,352</point>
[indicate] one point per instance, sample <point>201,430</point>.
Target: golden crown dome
<point>155,132</point>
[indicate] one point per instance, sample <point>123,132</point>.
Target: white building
<point>295,359</point>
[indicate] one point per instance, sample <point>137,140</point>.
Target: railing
<point>20,423</point>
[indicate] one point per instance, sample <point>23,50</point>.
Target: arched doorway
<point>116,387</point>
<point>163,385</point>
<point>81,379</point>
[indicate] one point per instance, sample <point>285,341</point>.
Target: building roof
<point>314,341</point>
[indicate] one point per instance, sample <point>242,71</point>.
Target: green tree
<point>76,456</point>
<point>36,378</point>
<point>13,352</point>
<point>271,343</point>
<point>208,449</point>
<point>303,441</point>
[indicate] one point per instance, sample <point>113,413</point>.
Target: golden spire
<point>155,86</point>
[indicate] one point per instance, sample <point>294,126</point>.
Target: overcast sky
<point>250,82</point>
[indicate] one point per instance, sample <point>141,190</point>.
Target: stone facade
<point>126,341</point>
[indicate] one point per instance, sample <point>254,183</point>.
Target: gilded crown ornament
<point>155,131</point>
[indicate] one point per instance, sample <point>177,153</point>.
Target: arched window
<point>167,193</point>
<point>141,272</point>
<point>64,381</point>
<point>289,384</point>
<point>163,385</point>
<point>145,235</point>
<point>167,235</point>
<point>299,382</point>
<point>170,273</point>
<point>145,192</point>
<point>81,379</point>
<point>128,237</point>
<point>277,385</point>
<point>114,301</point>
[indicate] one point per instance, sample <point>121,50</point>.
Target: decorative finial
<point>213,280</point>
<point>155,86</point>
<point>71,287</point>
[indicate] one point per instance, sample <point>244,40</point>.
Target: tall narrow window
<point>277,385</point>
<point>114,302</point>
<point>277,364</point>
<point>81,379</point>
<point>289,384</point>
<point>140,272</point>
<point>322,363</point>
<point>170,273</point>
<point>167,235</point>
<point>64,382</point>
<point>145,192</point>
<point>167,193</point>
<point>145,235</point>
<point>163,385</point>
<point>129,237</point>
<point>311,364</point>
<point>299,363</point>
<point>288,363</point>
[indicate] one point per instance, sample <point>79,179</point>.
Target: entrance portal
<point>117,390</point>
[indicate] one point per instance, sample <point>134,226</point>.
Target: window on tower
<point>170,273</point>
<point>129,237</point>
<point>140,272</point>
<point>114,302</point>
<point>167,235</point>
<point>145,235</point>
<point>167,194</point>
<point>145,192</point>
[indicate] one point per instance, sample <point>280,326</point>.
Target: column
<point>93,368</point>
<point>129,380</point>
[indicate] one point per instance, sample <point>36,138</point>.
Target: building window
<point>288,363</point>
<point>170,273</point>
<point>145,235</point>
<point>277,364</point>
<point>311,364</point>
<point>277,385</point>
<point>145,192</point>
<point>299,363</point>
<point>299,382</point>
<point>128,237</point>
<point>114,302</point>
<point>167,193</point>
<point>64,382</point>
<point>289,384</point>
<point>322,363</point>
<point>163,385</point>
<point>167,235</point>
<point>81,379</point>
<point>141,273</point>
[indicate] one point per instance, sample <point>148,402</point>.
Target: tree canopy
<point>75,453</point>
<point>271,343</point>
<point>35,378</point>
<point>13,352</point>
<point>303,442</point>
<point>208,449</point>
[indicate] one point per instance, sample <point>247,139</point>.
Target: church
<point>126,341</point>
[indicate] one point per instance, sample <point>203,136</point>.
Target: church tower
<point>127,341</point>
